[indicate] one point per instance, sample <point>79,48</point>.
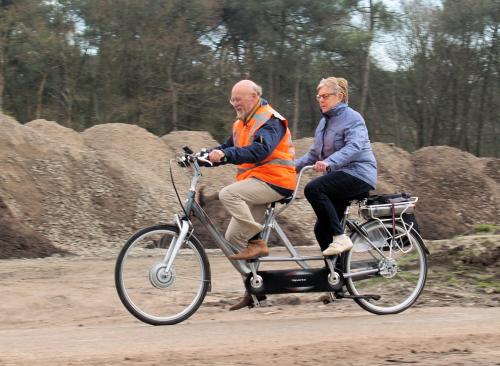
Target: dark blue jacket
<point>266,139</point>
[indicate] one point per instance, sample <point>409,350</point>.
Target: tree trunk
<point>420,122</point>
<point>395,112</point>
<point>454,133</point>
<point>366,84</point>
<point>3,42</point>
<point>68,103</point>
<point>484,90</point>
<point>236,50</point>
<point>2,86</point>
<point>366,72</point>
<point>481,116</point>
<point>496,131</point>
<point>313,106</point>
<point>375,117</point>
<point>436,127</point>
<point>296,108</point>
<point>272,88</point>
<point>2,70</point>
<point>95,105</point>
<point>173,92</point>
<point>39,96</point>
<point>464,140</point>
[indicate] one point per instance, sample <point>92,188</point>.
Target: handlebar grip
<point>183,162</point>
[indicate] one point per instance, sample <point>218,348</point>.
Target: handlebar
<point>190,157</point>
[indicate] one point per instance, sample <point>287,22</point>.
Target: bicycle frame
<point>192,207</point>
<point>375,236</point>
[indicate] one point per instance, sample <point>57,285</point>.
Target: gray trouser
<point>246,202</point>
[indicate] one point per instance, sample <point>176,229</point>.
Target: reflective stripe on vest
<point>271,162</point>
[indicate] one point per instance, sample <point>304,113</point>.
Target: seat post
<point>344,219</point>
<point>268,222</point>
<point>358,199</point>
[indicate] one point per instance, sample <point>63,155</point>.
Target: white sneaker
<point>341,243</point>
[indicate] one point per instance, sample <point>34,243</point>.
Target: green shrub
<point>487,228</point>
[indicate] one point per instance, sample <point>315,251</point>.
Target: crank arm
<point>342,295</point>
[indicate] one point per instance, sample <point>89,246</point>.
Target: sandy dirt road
<point>64,311</point>
<point>445,336</point>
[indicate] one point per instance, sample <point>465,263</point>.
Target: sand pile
<point>456,189</point>
<point>87,192</point>
<point>19,240</point>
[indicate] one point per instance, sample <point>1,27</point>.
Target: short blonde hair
<point>337,85</point>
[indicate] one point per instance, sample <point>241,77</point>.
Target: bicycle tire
<point>146,291</point>
<point>410,256</point>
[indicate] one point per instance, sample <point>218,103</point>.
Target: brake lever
<point>206,161</point>
<point>183,161</point>
<point>203,156</point>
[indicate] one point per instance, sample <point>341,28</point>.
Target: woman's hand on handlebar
<point>321,166</point>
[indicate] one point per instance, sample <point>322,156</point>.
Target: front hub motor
<point>159,278</point>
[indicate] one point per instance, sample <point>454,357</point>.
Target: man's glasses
<point>234,101</point>
<point>324,96</point>
<point>238,100</point>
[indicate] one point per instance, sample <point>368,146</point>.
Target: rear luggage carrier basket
<point>388,209</point>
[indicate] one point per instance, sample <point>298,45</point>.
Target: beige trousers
<point>246,201</point>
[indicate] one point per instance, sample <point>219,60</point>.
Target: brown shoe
<point>254,249</point>
<point>246,301</point>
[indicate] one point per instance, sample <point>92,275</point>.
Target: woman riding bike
<point>341,150</point>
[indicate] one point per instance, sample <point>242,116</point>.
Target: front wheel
<point>398,276</point>
<point>149,292</point>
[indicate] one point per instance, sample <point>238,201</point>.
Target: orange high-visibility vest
<point>279,167</point>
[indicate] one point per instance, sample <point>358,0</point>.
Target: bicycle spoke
<point>149,291</point>
<point>402,273</point>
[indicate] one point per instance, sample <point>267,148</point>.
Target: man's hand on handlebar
<point>205,157</point>
<point>216,156</point>
<point>321,166</point>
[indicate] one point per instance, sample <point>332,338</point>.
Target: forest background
<point>169,64</point>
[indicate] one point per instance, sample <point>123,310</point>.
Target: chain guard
<point>292,281</point>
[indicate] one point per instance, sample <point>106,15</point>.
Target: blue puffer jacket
<point>341,140</point>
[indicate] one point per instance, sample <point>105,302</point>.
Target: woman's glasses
<point>324,96</point>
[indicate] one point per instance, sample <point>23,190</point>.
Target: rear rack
<point>388,209</point>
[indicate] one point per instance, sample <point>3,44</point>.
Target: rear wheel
<point>401,271</point>
<point>152,294</point>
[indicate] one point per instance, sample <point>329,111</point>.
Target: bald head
<point>244,97</point>
<point>247,87</point>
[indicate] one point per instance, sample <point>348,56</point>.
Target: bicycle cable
<point>175,190</point>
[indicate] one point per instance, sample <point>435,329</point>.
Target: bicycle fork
<point>176,244</point>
